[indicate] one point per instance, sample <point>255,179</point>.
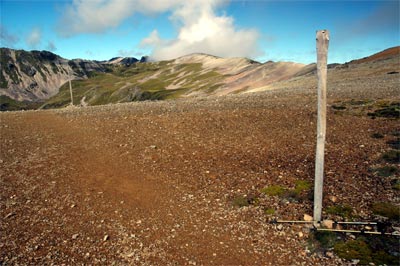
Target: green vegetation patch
<point>274,190</point>
<point>379,250</point>
<point>326,240</point>
<point>302,185</point>
<point>10,69</point>
<point>377,136</point>
<point>386,171</point>
<point>366,251</point>
<point>299,193</point>
<point>240,201</point>
<point>32,60</point>
<point>392,156</point>
<point>153,85</point>
<point>3,81</point>
<point>269,211</point>
<point>394,143</point>
<point>395,184</point>
<point>8,104</point>
<point>386,209</point>
<point>395,133</point>
<point>244,201</point>
<point>340,210</point>
<point>338,107</point>
<point>391,110</point>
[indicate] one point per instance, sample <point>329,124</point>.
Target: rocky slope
<point>37,75</point>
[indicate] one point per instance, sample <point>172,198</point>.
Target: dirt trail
<point>156,183</point>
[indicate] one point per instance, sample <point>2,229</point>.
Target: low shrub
<point>377,136</point>
<point>354,249</point>
<point>274,190</point>
<point>394,143</point>
<point>241,201</point>
<point>395,184</point>
<point>368,250</point>
<point>269,211</point>
<point>302,185</point>
<point>392,156</point>
<point>386,171</point>
<point>340,210</point>
<point>386,209</point>
<point>390,111</point>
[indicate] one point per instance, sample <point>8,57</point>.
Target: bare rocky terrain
<point>155,182</point>
<point>180,182</point>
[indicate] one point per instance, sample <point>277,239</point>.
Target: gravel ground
<point>157,183</point>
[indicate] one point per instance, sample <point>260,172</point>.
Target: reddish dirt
<point>154,183</point>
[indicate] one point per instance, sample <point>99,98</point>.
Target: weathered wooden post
<point>322,55</point>
<point>70,87</point>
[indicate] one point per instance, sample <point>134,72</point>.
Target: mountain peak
<point>126,61</point>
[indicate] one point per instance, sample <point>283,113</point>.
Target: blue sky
<point>165,29</point>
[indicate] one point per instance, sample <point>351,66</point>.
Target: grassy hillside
<point>138,82</point>
<point>8,104</point>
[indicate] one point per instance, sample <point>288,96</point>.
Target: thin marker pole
<point>70,87</point>
<point>322,56</point>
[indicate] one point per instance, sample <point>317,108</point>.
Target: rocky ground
<point>179,182</point>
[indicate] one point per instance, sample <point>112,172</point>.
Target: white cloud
<point>152,40</point>
<point>200,29</point>
<point>97,16</point>
<point>203,31</point>
<point>94,16</point>
<point>6,38</point>
<point>34,38</point>
<point>51,46</point>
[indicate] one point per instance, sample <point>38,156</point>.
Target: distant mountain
<point>126,61</point>
<point>38,75</point>
<point>41,76</point>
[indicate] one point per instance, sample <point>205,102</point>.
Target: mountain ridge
<point>42,76</point>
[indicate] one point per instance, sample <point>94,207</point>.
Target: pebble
<point>329,254</point>
<point>106,237</point>
<point>11,214</point>
<point>75,236</point>
<point>308,218</point>
<point>279,227</point>
<point>333,198</point>
<point>327,224</point>
<point>130,255</point>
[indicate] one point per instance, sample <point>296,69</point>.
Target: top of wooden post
<point>322,40</point>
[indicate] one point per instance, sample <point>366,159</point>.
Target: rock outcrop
<point>38,75</point>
